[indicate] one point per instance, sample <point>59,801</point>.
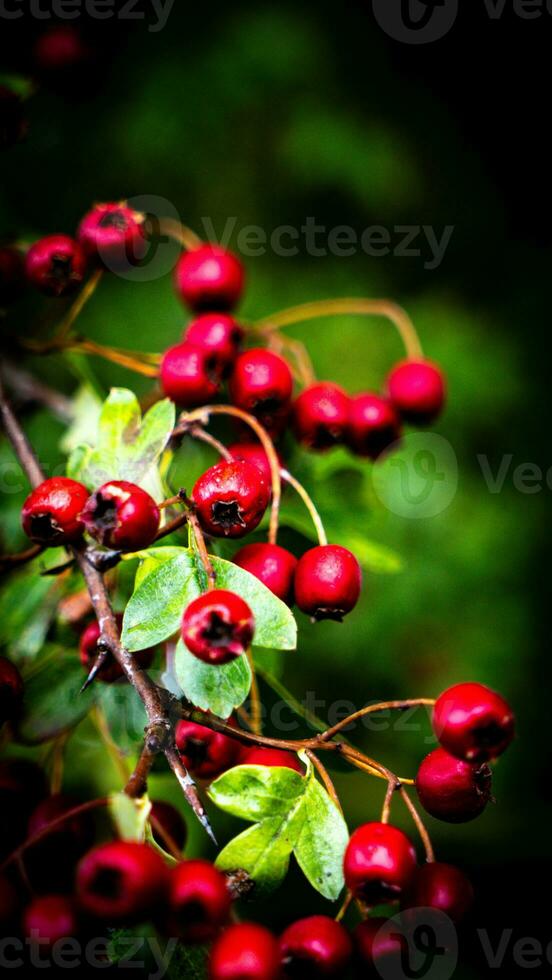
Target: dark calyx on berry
<point>56,265</point>
<point>122,882</point>
<point>205,753</point>
<point>218,626</point>
<point>51,514</point>
<point>122,516</point>
<point>220,335</point>
<point>231,498</point>
<point>321,415</point>
<point>113,234</point>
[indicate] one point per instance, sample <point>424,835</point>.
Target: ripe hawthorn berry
<point>261,384</point>
<point>113,234</point>
<point>473,722</point>
<point>379,950</point>
<point>245,952</point>
<point>110,670</point>
<point>417,390</point>
<point>374,425</point>
<point>198,902</point>
<point>379,863</point>
<point>231,498</point>
<point>315,947</point>
<point>13,124</point>
<point>170,822</point>
<point>443,887</point>
<point>12,274</point>
<point>51,918</point>
<point>11,690</point>
<point>220,335</point>
<point>272,565</point>
<point>53,858</point>
<point>209,278</point>
<point>205,754</point>
<point>122,516</point>
<point>122,882</point>
<point>271,758</point>
<point>253,452</point>
<point>452,789</point>
<point>51,514</point>
<point>190,375</point>
<point>56,265</point>
<point>328,580</point>
<point>218,626</point>
<point>320,415</point>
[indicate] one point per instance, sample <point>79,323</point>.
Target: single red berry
<point>170,822</point>
<point>56,265</point>
<point>417,390</point>
<point>11,690</point>
<point>315,947</point>
<point>218,626</point>
<point>13,124</point>
<point>12,274</point>
<point>122,882</point>
<point>374,425</point>
<point>51,918</point>
<point>111,670</point>
<point>245,952</point>
<point>219,334</point>
<point>51,514</point>
<point>452,789</point>
<point>190,375</point>
<point>53,858</point>
<point>473,722</point>
<point>262,384</point>
<point>198,903</point>
<point>231,499</point>
<point>443,887</point>
<point>209,278</point>
<point>122,516</point>
<point>321,415</point>
<point>272,565</point>
<point>379,863</point>
<point>113,234</point>
<point>271,758</point>
<point>60,49</point>
<point>379,949</point>
<point>328,580</point>
<point>253,452</point>
<point>205,753</point>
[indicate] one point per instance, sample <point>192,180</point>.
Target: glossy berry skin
<point>374,425</point>
<point>209,278</point>
<point>198,902</point>
<point>171,823</point>
<point>272,565</point>
<point>56,265</point>
<point>13,125</point>
<point>315,947</point>
<point>122,516</point>
<point>452,789</point>
<point>231,498</point>
<point>113,234</point>
<point>253,452</point>
<point>271,757</point>
<point>122,882</point>
<point>190,375</point>
<point>111,670</point>
<point>245,952</point>
<point>443,887</point>
<point>205,754</point>
<point>321,415</point>
<point>473,722</point>
<point>51,514</point>
<point>49,919</point>
<point>379,863</point>
<point>262,384</point>
<point>417,390</point>
<point>11,690</point>
<point>218,626</point>
<point>328,581</point>
<point>219,334</point>
<point>12,274</point>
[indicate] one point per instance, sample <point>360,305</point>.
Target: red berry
<point>51,918</point>
<point>53,858</point>
<point>13,124</point>
<point>328,580</point>
<point>417,390</point>
<point>315,947</point>
<point>262,384</point>
<point>12,274</point>
<point>379,949</point>
<point>51,514</point>
<point>122,882</point>
<point>111,670</point>
<point>374,425</point>
<point>218,626</point>
<point>190,375</point>
<point>11,690</point>
<point>60,49</point>
<point>199,902</point>
<point>121,515</point>
<point>219,334</point>
<point>272,565</point>
<point>209,278</point>
<point>56,265</point>
<point>379,863</point>
<point>253,452</point>
<point>245,952</point>
<point>205,754</point>
<point>271,757</point>
<point>452,789</point>
<point>443,887</point>
<point>113,234</point>
<point>320,415</point>
<point>231,499</point>
<point>170,822</point>
<point>473,722</point>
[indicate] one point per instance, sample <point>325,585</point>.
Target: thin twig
<point>325,777</point>
<point>430,854</point>
<point>373,709</point>
<point>309,504</point>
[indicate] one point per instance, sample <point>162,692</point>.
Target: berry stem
<point>255,699</point>
<point>372,709</point>
<point>179,232</point>
<point>309,504</point>
<point>325,777</point>
<point>430,853</point>
<point>344,906</point>
<point>199,539</point>
<point>196,432</point>
<point>77,306</point>
<point>19,441</point>
<point>386,810</point>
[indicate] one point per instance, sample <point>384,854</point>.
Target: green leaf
<point>52,702</point>
<point>124,713</point>
<point>374,557</point>
<point>130,816</point>
<point>293,814</point>
<point>219,689</point>
<point>28,602</point>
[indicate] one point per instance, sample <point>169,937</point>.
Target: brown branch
<point>7,562</point>
<point>19,441</point>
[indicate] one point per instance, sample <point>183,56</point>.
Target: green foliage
<point>28,602</point>
<point>130,816</point>
<point>219,689</point>
<point>53,702</point>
